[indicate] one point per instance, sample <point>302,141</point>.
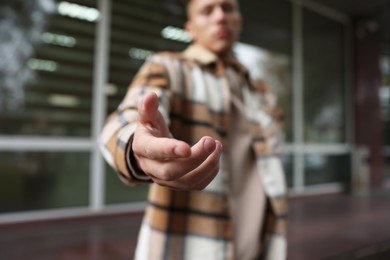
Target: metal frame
<point>297,85</point>
<point>299,148</point>
<point>99,107</point>
<point>38,143</point>
<point>40,215</point>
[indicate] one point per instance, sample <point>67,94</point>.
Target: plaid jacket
<point>195,101</point>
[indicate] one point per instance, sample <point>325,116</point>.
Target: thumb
<point>148,109</point>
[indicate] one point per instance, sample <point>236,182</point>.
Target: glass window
<point>387,163</point>
<point>384,98</point>
<point>52,48</point>
<point>324,80</point>
<point>118,192</point>
<point>43,180</point>
<point>288,165</point>
<point>321,168</point>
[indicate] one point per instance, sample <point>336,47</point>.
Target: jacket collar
<point>200,54</point>
<point>204,57</point>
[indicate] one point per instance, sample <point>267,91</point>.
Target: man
<point>207,138</point>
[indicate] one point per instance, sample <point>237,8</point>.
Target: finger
<point>159,148</point>
<point>199,178</point>
<point>176,168</point>
<point>206,181</point>
<point>150,117</point>
<point>206,172</point>
<point>148,108</point>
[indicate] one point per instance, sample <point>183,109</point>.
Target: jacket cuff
<point>136,173</point>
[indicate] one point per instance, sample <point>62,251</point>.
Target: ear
<point>189,29</point>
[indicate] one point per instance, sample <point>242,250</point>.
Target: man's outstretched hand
<point>168,161</point>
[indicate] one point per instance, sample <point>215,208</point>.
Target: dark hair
<point>185,4</point>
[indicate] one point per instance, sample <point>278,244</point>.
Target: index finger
<point>160,148</point>
<point>148,107</point>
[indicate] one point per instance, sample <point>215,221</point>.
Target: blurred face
<point>214,24</point>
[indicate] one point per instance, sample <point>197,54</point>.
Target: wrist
<point>135,169</point>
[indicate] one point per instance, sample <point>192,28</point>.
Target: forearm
<point>116,138</point>
<point>115,141</point>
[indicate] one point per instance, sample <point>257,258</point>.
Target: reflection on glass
<point>57,100</point>
<point>324,86</point>
<point>21,23</point>
<point>176,34</point>
<point>118,192</point>
<point>38,181</point>
<point>321,169</point>
<point>77,11</point>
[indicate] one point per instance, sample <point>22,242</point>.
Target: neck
<point>225,57</point>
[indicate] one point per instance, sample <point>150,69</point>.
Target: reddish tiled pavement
<point>104,237</point>
<point>340,226</point>
<point>336,226</point>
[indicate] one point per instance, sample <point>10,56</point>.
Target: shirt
<point>195,96</point>
<point>246,194</point>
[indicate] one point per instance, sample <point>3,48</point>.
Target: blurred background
<point>64,65</point>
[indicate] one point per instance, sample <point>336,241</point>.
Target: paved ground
<point>337,227</point>
<point>340,227</point>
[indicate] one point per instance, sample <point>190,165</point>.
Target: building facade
<point>68,64</point>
